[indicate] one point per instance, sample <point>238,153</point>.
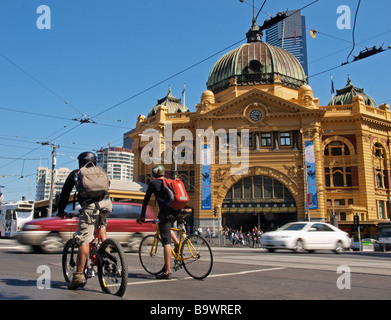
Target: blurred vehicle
<point>14,215</point>
<point>385,235</point>
<point>48,235</point>
<point>301,236</point>
<point>355,245</point>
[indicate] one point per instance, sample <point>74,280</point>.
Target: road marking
<point>14,248</point>
<point>210,276</point>
<point>244,272</point>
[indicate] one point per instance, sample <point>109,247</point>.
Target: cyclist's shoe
<point>78,281</point>
<point>163,275</point>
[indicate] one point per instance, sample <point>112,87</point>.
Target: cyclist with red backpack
<point>168,194</point>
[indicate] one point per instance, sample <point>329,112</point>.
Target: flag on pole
<point>183,93</point>
<point>332,86</point>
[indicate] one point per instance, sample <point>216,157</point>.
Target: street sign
<point>367,245</point>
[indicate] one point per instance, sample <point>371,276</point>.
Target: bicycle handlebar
<point>155,221</point>
<point>67,215</point>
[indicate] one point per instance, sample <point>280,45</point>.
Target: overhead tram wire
<point>184,70</point>
<point>353,31</point>
<point>345,63</point>
<point>40,83</point>
<point>88,120</point>
<point>166,79</point>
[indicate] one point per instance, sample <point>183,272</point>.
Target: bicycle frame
<point>196,257</point>
<point>182,239</point>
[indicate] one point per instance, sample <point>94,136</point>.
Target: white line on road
<point>210,276</point>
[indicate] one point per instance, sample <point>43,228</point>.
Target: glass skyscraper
<point>290,34</point>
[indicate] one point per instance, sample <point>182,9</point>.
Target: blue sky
<point>98,54</point>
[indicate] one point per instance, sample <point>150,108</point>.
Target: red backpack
<point>177,195</point>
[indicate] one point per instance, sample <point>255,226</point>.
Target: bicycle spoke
<point>69,260</point>
<point>113,270</point>
<point>151,254</point>
<point>197,257</point>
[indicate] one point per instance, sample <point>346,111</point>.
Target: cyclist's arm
<point>65,192</point>
<point>147,197</point>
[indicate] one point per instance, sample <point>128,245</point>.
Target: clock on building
<point>256,115</point>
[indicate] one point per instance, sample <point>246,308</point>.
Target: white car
<point>301,236</point>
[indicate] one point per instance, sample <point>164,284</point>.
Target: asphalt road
<point>238,275</point>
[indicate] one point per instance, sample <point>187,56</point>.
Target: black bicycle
<point>106,258</point>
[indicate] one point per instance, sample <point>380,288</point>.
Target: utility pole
<point>50,211</point>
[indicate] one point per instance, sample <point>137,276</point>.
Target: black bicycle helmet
<point>86,157</point>
<point>158,170</point>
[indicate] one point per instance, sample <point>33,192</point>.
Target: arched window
<point>336,148</point>
<point>259,189</point>
<point>340,175</point>
<point>378,161</point>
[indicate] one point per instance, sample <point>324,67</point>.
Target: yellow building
<point>263,126</point>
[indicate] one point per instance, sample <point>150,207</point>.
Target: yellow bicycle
<point>193,253</point>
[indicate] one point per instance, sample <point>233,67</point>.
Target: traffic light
<point>357,219</point>
<point>215,212</point>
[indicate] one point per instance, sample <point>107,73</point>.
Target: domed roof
<point>346,94</point>
<point>173,105</point>
<point>256,62</point>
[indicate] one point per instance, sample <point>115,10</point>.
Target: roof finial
<point>254,34</point>
<point>349,81</point>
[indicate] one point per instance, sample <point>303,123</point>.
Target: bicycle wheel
<point>151,254</point>
<point>112,268</point>
<point>69,259</point>
<point>197,256</point>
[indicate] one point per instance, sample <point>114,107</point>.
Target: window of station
<point>259,188</point>
<point>187,178</point>
<point>381,206</point>
<point>266,139</point>
<point>338,176</point>
<point>336,148</point>
<point>285,139</point>
<point>378,161</point>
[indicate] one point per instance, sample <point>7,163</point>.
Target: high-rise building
<point>117,162</point>
<point>44,177</point>
<point>128,142</point>
<point>289,34</point>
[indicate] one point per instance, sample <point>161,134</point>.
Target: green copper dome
<point>256,62</point>
<point>173,105</point>
<point>346,94</point>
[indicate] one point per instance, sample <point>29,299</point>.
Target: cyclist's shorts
<point>165,224</point>
<point>89,221</point>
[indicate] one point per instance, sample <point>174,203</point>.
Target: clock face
<point>255,115</point>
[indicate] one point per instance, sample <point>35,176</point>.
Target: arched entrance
<point>260,201</point>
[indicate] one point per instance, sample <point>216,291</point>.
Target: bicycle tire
<point>69,264</point>
<point>112,268</point>
<point>197,264</point>
<point>151,254</point>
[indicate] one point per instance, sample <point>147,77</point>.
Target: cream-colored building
<point>260,116</point>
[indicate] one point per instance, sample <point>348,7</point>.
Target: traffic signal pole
<point>50,209</point>
<point>357,223</point>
